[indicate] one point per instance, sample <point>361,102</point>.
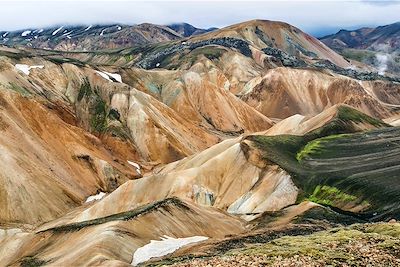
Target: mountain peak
<point>186,29</point>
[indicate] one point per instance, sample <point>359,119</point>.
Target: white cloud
<point>308,15</point>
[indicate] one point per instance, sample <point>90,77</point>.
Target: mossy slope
<point>357,172</point>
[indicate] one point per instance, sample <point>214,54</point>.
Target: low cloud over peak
<point>315,17</point>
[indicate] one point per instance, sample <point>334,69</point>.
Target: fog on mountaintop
<point>315,17</point>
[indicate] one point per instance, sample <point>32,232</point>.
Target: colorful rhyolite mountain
<point>230,147</point>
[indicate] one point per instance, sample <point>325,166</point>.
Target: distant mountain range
<point>97,37</point>
<point>378,46</point>
<point>385,38</point>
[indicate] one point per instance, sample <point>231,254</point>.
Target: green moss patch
<point>98,121</point>
<point>85,90</point>
<point>342,170</point>
<point>342,246</point>
<point>31,261</point>
<point>350,114</point>
<point>19,89</point>
<point>123,216</point>
<point>328,195</point>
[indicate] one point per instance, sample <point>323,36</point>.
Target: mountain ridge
<point>378,47</point>
<point>366,38</point>
<point>238,138</point>
<point>84,37</point>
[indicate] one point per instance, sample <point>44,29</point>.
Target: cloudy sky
<point>316,17</point>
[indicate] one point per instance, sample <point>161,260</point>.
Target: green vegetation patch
<point>328,195</point>
<point>316,147</point>
<point>359,55</point>
<point>123,216</point>
<point>311,148</point>
<point>98,109</point>
<point>114,114</point>
<point>350,114</point>
<point>336,247</point>
<point>128,58</point>
<point>324,215</point>
<point>19,89</point>
<point>31,261</point>
<point>346,171</point>
<point>85,90</point>
<point>117,131</point>
<point>98,120</point>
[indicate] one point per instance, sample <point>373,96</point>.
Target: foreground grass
<point>356,245</point>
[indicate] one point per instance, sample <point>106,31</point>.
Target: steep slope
<point>44,160</point>
<point>119,149</point>
<point>112,240</point>
<point>230,175</point>
<point>200,95</point>
<point>109,109</point>
<point>215,177</point>
<point>283,92</point>
<point>338,118</point>
<point>114,110</point>
<point>210,178</point>
<point>332,171</point>
<point>72,120</point>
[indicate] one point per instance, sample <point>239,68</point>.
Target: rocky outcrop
<point>153,59</point>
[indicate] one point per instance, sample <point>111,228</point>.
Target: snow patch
<point>25,33</point>
<point>102,74</point>
<point>56,31</point>
<point>102,32</point>
<point>137,166</point>
<point>107,75</point>
<point>116,77</point>
<point>5,34</point>
<point>119,28</point>
<point>163,247</point>
<point>88,28</point>
<point>26,68</point>
<point>40,31</point>
<point>68,33</point>
<point>95,197</point>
